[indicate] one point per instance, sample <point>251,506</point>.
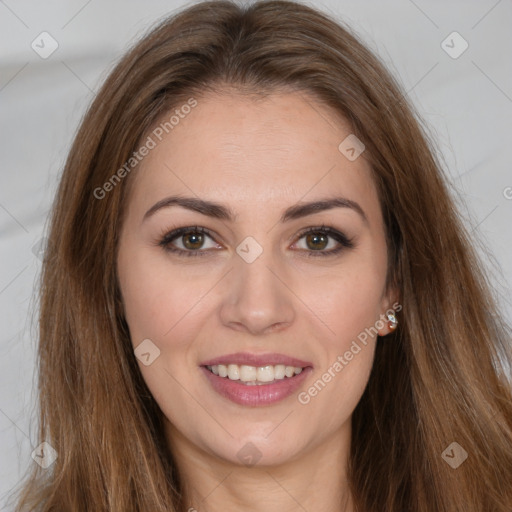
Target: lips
<point>264,394</point>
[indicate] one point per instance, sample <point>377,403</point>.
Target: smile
<point>253,375</point>
<point>255,386</point>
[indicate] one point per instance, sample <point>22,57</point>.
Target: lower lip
<point>264,394</point>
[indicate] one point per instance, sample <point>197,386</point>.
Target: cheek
<point>350,309</point>
<point>159,306</point>
<point>348,300</point>
<point>156,301</point>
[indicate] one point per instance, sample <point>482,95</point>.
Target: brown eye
<point>193,240</point>
<point>317,241</point>
<point>324,241</point>
<point>188,241</point>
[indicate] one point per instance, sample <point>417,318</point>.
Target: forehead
<point>246,151</point>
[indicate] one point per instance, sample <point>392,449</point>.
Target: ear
<point>390,306</point>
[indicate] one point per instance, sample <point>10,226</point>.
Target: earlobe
<point>390,325</point>
<point>392,321</point>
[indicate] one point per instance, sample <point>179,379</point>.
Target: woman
<point>257,293</point>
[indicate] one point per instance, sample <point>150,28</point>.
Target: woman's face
<point>246,290</point>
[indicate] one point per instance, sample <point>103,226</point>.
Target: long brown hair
<point>438,379</point>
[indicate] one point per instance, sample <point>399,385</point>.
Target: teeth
<point>280,371</point>
<point>252,375</point>
<point>289,371</point>
<point>265,374</point>
<point>248,373</point>
<point>233,372</point>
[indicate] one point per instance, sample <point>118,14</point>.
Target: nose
<point>258,299</point>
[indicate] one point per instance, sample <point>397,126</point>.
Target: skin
<point>257,157</point>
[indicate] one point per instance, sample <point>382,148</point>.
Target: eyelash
<point>344,241</point>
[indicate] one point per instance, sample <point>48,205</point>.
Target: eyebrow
<point>219,211</point>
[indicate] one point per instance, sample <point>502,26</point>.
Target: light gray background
<point>467,102</point>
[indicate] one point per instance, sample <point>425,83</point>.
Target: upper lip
<point>258,360</point>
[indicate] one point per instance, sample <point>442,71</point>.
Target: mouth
<point>255,380</point>
<point>254,375</point>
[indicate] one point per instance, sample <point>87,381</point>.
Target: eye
<point>191,241</point>
<point>191,238</point>
<point>317,240</point>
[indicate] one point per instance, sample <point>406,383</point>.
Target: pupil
<point>197,240</point>
<point>316,238</point>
